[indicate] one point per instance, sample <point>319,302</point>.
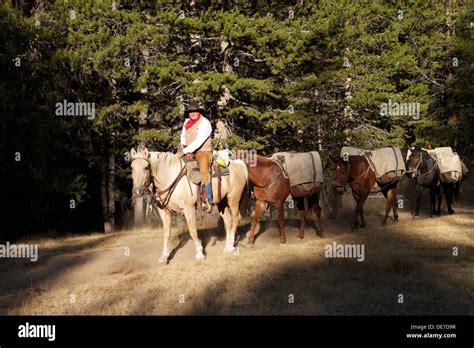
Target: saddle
<point>217,171</point>
<point>304,171</point>
<point>387,163</point>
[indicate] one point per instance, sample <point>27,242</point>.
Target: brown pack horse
<point>357,173</point>
<point>271,186</point>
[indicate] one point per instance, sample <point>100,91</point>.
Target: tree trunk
<point>104,195</point>
<point>111,186</point>
<point>107,185</point>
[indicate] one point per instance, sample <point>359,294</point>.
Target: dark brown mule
<point>271,186</point>
<point>356,171</point>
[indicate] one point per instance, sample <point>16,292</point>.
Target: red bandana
<point>192,122</point>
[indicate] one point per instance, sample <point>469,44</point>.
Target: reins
<point>163,202</point>
<point>160,201</point>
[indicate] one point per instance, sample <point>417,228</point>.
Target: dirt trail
<point>114,274</point>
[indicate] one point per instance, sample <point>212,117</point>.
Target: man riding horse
<point>196,143</point>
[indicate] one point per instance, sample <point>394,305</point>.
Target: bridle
<point>157,197</point>
<point>338,185</point>
<point>145,189</point>
<point>417,169</point>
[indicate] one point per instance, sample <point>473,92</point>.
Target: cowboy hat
<point>194,105</point>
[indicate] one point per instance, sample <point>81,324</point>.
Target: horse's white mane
<point>153,155</point>
<point>166,158</point>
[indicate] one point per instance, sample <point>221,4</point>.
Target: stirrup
<point>207,207</point>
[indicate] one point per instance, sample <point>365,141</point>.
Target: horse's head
<point>140,171</point>
<point>342,174</point>
<point>414,160</point>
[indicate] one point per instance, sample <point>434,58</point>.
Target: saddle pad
<point>450,164</point>
<point>300,167</point>
<point>193,172</point>
<point>223,171</point>
<point>351,151</point>
<point>382,161</point>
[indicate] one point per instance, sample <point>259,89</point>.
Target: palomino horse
<point>271,186</point>
<point>356,171</point>
<point>422,167</point>
<point>175,193</point>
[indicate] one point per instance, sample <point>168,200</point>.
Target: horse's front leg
<point>259,207</point>
<point>360,207</point>
<point>281,221</point>
<point>389,204</point>
<point>395,204</point>
<point>418,200</point>
<point>227,218</point>
<point>190,215</point>
<point>166,218</point>
<point>356,194</point>
<point>235,214</point>
<point>449,198</point>
<point>433,201</point>
<point>302,211</point>
<point>313,200</point>
<point>439,197</point>
<point>302,224</point>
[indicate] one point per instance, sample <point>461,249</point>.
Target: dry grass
<point>411,257</point>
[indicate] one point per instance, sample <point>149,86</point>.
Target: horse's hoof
<point>395,218</point>
<point>384,223</point>
<point>451,212</point>
<point>282,241</point>
<point>320,233</point>
<point>163,259</point>
<point>200,257</point>
<point>300,237</point>
<point>248,244</point>
<point>229,250</point>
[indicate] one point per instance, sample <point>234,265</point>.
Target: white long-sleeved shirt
<point>203,132</point>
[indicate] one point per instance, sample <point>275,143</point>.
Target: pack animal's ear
<point>146,153</point>
<point>133,153</point>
